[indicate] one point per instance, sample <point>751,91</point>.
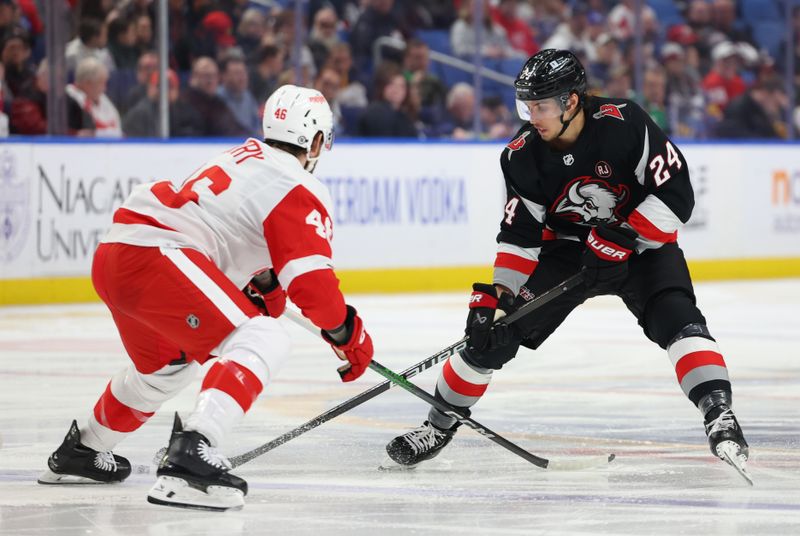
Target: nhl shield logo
<point>14,199</point>
<point>193,321</point>
<point>568,159</point>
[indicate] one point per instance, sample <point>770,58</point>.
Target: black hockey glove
<point>605,259</point>
<point>483,332</point>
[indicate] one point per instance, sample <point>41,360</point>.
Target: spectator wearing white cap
<point>723,83</point>
<point>683,78</point>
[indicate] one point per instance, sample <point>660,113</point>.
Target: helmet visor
<point>530,110</point>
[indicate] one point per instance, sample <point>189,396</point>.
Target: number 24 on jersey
<point>660,173</point>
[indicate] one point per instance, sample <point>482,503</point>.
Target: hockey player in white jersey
<point>172,270</point>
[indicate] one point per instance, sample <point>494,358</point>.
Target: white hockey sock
<point>214,415</point>
<point>460,384</point>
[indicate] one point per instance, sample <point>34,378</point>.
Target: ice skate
<point>726,439</point>
<point>75,463</point>
<point>193,474</point>
<point>416,446</point>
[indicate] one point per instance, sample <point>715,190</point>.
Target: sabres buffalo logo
<point>591,201</point>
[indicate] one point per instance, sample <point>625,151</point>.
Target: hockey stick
<point>410,372</point>
<point>461,416</point>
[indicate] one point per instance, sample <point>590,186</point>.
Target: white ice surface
<point>596,386</point>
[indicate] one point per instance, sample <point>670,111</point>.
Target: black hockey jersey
<point>621,169</point>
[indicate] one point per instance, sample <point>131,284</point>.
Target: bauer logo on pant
<point>193,321</point>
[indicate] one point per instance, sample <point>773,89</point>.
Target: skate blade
<point>391,466</point>
<point>176,492</point>
<point>51,478</point>
<point>729,452</point>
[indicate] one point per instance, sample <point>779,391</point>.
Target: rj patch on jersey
<point>610,110</point>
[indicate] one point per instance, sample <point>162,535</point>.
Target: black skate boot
<point>192,474</point>
<point>75,463</point>
<point>418,445</point>
<point>721,427</point>
<point>725,437</point>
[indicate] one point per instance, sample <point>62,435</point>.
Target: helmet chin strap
<point>311,161</point>
<point>565,124</point>
<point>311,164</point>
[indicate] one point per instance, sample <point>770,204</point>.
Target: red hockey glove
<point>484,302</point>
<point>605,259</point>
<point>352,343</point>
<point>267,294</point>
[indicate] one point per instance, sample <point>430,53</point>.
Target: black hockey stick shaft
<point>457,413</point>
<point>347,405</point>
<point>543,298</point>
<point>410,372</point>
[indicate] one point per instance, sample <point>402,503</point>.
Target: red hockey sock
<point>235,380</point>
<point>116,416</point>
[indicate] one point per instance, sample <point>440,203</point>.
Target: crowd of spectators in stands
<point>704,75</point>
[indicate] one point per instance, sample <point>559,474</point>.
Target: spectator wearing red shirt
<point>28,112</point>
<point>723,83</point>
<point>519,33</point>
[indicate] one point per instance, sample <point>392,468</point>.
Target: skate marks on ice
<point>596,386</point>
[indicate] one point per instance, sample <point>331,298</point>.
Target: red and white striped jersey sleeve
<point>520,239</point>
<point>517,255</point>
<point>298,231</point>
<point>655,222</point>
<point>663,171</point>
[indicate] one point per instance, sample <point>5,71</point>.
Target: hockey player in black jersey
<point>593,185</point>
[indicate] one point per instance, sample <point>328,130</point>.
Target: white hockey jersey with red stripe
<point>250,208</point>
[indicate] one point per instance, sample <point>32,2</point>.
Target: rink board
<point>408,216</point>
